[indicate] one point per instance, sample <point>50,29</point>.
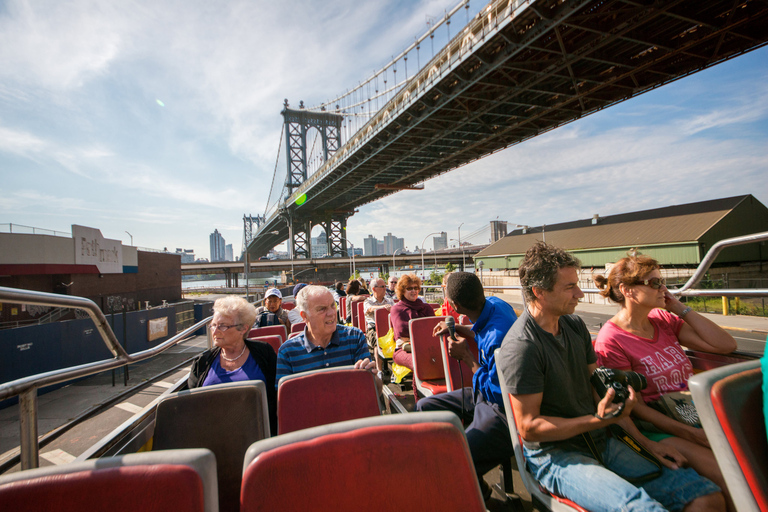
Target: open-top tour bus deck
<point>163,452</point>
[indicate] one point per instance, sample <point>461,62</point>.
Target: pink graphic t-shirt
<point>662,360</point>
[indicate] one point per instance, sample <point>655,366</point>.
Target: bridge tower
<point>297,124</point>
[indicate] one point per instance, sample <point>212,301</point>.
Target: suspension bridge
<point>514,71</point>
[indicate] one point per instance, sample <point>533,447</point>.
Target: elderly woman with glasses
<point>410,306</point>
<point>645,336</point>
<point>233,357</point>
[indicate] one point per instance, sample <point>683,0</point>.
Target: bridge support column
<point>301,233</point>
<point>335,233</point>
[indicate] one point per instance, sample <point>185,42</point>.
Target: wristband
<point>685,312</point>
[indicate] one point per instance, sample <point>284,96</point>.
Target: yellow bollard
<point>738,304</point>
<point>725,305</point>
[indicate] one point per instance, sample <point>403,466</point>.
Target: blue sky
<point>83,139</point>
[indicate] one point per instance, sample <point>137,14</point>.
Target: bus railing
<point>688,290</point>
<point>26,387</point>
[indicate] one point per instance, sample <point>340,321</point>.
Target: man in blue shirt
<point>481,406</point>
<point>324,343</point>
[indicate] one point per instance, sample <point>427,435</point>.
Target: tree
<point>450,267</point>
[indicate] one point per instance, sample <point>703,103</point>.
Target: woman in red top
<point>645,336</point>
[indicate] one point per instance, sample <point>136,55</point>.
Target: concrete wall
<point>23,249</point>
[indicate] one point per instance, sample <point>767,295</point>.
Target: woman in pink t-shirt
<point>645,337</point>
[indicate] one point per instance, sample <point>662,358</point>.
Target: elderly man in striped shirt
<point>324,343</point>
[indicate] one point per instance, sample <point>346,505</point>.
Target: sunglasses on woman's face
<point>654,282</point>
<point>413,288</point>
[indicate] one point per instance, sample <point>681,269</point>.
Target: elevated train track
<point>517,70</point>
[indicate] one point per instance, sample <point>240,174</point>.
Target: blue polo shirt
<point>298,354</point>
<point>490,328</point>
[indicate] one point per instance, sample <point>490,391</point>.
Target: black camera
<point>604,378</point>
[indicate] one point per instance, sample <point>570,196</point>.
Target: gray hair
<point>302,299</point>
<point>232,305</point>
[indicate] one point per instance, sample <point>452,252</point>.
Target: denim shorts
<point>582,479</point>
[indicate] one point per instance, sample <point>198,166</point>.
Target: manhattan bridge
<point>515,70</point>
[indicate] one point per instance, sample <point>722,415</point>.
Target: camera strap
<point>622,435</point>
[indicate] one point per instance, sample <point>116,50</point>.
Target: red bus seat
<point>381,317</point>
<point>353,309</point>
<point>288,305</point>
<point>551,501</point>
<point>224,418</point>
<point>426,450</point>
<point>269,330</point>
<point>294,334</point>
<point>428,374</point>
<point>451,366</point>
<point>172,480</point>
<point>343,308</point>
<point>297,327</point>
<point>360,316</point>
<point>273,341</point>
<point>729,401</point>
<point>328,395</point>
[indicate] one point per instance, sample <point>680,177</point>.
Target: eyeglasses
<point>394,281</point>
<point>654,282</point>
<point>223,327</point>
<point>378,286</point>
<point>414,288</point>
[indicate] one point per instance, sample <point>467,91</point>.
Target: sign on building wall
<point>91,248</point>
<point>158,328</point>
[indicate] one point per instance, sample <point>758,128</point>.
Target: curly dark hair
<point>540,266</point>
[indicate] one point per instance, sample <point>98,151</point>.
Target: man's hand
<point>440,329</point>
<point>606,407</point>
<point>667,455</point>
<point>366,364</point>
<point>459,349</point>
<point>388,307</point>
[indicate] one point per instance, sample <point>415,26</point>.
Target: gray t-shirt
<point>535,361</point>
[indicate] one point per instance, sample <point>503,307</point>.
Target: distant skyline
<point>162,120</point>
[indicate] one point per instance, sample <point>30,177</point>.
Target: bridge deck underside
<point>552,64</point>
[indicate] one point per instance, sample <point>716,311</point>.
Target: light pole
<point>130,235</point>
<point>422,253</point>
<point>353,254</point>
<point>393,257</point>
<point>305,270</point>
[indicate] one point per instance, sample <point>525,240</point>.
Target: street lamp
<point>353,253</point>
<point>393,256</point>
<point>422,252</point>
<point>302,271</point>
<point>130,235</point>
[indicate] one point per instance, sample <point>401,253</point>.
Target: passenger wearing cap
<point>294,315</point>
<point>272,312</point>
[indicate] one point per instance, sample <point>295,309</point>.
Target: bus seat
<point>729,401</point>
<point>273,340</point>
<point>464,320</point>
<point>550,501</point>
<point>225,418</point>
<point>423,449</point>
<point>171,480</point>
<point>428,374</point>
<point>323,396</point>
<point>294,334</point>
<point>298,327</point>
<point>434,305</point>
<point>343,308</point>
<point>269,330</point>
<point>381,317</point>
<point>360,316</point>
<point>288,305</point>
<point>453,375</point>
<point>352,308</point>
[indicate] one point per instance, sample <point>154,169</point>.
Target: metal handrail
<point>687,289</point>
<point>26,387</point>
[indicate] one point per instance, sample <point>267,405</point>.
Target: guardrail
<point>687,289</point>
<point>26,387</point>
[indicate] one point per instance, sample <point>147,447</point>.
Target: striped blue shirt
<point>298,354</point>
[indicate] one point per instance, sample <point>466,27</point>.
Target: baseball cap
<point>273,292</point>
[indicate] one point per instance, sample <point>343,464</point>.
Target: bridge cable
<point>271,187</point>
